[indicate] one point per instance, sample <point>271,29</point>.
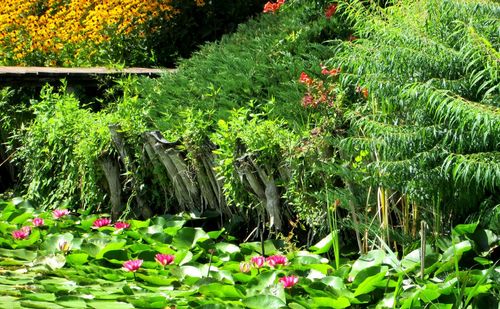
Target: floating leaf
<point>220,290</point>
<point>263,301</point>
<point>187,237</point>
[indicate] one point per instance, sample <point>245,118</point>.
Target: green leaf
<point>457,250</point>
<point>263,301</point>
<point>463,229</point>
<point>109,247</point>
<point>337,303</point>
<point>40,296</point>
<point>372,258</point>
<point>110,305</point>
<point>369,284</point>
<point>77,258</point>
<point>323,245</point>
<point>187,237</point>
<point>227,247</point>
<point>156,280</point>
<point>39,305</point>
<point>220,290</point>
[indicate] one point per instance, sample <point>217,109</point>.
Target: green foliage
<point>71,262</point>
<point>70,139</point>
<point>432,119</point>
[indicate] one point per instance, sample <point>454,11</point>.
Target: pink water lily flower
<point>274,260</point>
<point>20,234</point>
<point>289,281</point>
<point>258,261</point>
<point>101,222</point>
<point>132,265</point>
<point>59,213</point>
<point>122,225</point>
<point>164,259</point>
<point>38,222</point>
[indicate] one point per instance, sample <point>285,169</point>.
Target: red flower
<point>289,281</point>
<point>330,10</point>
<point>21,234</point>
<point>164,259</point>
<point>274,260</point>
<point>37,221</point>
<point>273,7</point>
<point>332,72</point>
<point>305,79</point>
<point>132,265</point>
<point>258,261</point>
<point>122,225</point>
<point>101,222</point>
<point>363,91</point>
<point>59,213</point>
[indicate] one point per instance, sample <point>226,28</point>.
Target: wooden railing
<point>82,76</point>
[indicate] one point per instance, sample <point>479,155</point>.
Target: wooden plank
<point>39,75</point>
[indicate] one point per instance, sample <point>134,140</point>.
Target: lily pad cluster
<point>69,260</point>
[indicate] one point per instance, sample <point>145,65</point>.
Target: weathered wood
<point>83,76</point>
<point>130,168</point>
<point>111,171</point>
<point>264,187</point>
<point>185,188</point>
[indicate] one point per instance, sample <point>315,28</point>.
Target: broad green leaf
<point>227,248</point>
<point>323,245</point>
<point>269,247</point>
<point>220,290</point>
<point>372,258</point>
<point>74,303</point>
<point>263,301</point>
<point>77,258</point>
<point>335,282</point>
<point>457,250</point>
<point>463,229</point>
<point>137,224</point>
<point>369,284</point>
<point>187,237</point>
<point>327,302</point>
<point>39,305</point>
<point>109,305</point>
<point>186,271</point>
<point>156,280</point>
<point>429,293</point>
<point>40,296</point>
<point>22,254</point>
<point>109,247</point>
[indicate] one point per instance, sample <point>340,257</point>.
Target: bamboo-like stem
<point>422,249</point>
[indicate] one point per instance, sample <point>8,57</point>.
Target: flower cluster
<point>271,7</point>
<point>260,261</point>
<point>122,225</point>
<point>164,259</point>
<point>23,233</point>
<point>289,281</point>
<point>101,222</point>
<point>319,92</point>
<point>132,265</point>
<point>29,28</point>
<point>59,213</point>
<point>330,10</point>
